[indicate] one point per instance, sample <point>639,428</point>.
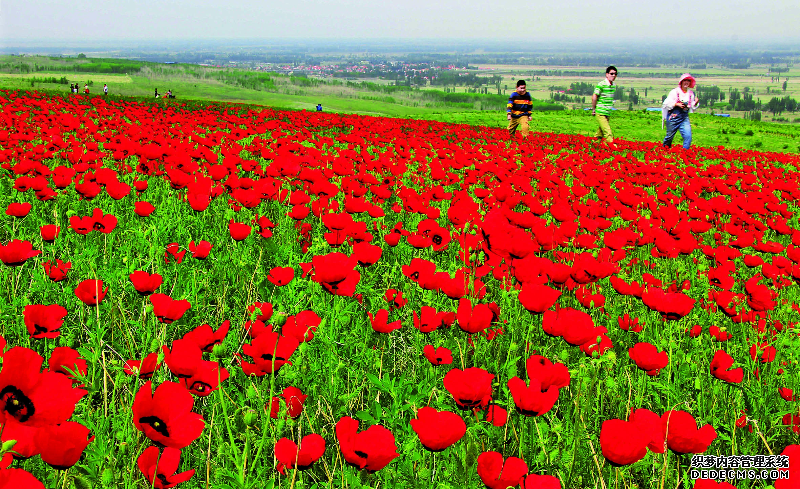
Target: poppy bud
<point>7,446</point>
<point>218,351</point>
<point>250,418</point>
<point>279,319</point>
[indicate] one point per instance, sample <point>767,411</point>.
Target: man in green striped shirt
<point>603,102</point>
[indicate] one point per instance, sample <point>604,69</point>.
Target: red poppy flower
<point>380,322</point>
<point>63,444</point>
<point>172,251</point>
<point>496,415</point>
<point>498,474</point>
<point>44,321</point>
<point>576,327</point>
<point>143,208</point>
<point>143,368</point>
<point>367,254</point>
<point>473,320</point>
<point>64,360</point>
<point>336,273</point>
<point>671,305</point>
<point>260,311</point>
<point>395,299</point>
<point>470,388</point>
<point>546,372</point>
<point>91,292</point>
<point>16,252</point>
<point>538,298</point>
<point>270,351</point>
<point>167,309</point>
<point>299,212</point>
<point>165,416</point>
<point>201,250</point>
<point>49,232</point>
<point>534,481</point>
<point>763,352</point>
<point>105,223</point>
<point>627,323</point>
<point>32,397</point>
<point>532,400</point>
<point>280,276</point>
<point>437,430</point>
<point>683,435</point>
<point>438,356</point>
<point>598,345</point>
<point>160,471</point>
<point>206,338</point>
<point>145,283</point>
<point>791,421</point>
<point>81,225</point>
<point>793,452</point>
<point>56,271</point>
<point>721,368</point>
<point>647,357</point>
<point>290,456</point>
<point>205,378</point>
<point>183,358</point>
<point>17,209</point>
<point>622,443</point>
<point>787,394</point>
<point>301,326</point>
<point>293,398</point>
<point>392,239</point>
<point>372,449</point>
<point>238,230</point>
<point>650,424</point>
<point>198,201</point>
<point>430,319</point>
<point>14,478</point>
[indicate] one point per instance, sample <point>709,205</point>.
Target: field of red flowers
<point>221,296</point>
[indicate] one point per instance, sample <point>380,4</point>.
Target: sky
<point>738,21</point>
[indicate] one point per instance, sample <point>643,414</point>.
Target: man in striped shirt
<point>603,102</point>
<point>519,110</point>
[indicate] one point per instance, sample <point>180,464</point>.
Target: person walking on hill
<point>156,93</point>
<point>86,89</point>
<point>105,89</point>
<point>676,108</point>
<point>603,103</point>
<point>519,110</point>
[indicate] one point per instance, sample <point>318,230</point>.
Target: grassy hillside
<point>193,82</point>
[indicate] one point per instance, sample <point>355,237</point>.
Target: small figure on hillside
<point>71,88</point>
<point>676,108</point>
<point>319,107</point>
<point>519,110</point>
<point>86,89</point>
<point>75,90</point>
<point>169,94</point>
<point>105,89</point>
<point>156,93</point>
<point>603,103</point>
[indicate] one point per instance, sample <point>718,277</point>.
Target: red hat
<point>687,76</point>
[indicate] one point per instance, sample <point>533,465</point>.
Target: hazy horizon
<point>735,23</point>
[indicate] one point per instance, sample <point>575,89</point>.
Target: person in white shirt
<point>105,89</point>
<point>676,108</point>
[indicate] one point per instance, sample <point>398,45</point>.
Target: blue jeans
<point>680,122</point>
